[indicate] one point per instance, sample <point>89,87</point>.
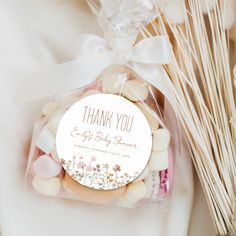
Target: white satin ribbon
<point>93,55</point>
<point>154,50</point>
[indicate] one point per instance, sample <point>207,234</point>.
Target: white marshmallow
<point>134,193</point>
<point>114,84</point>
<point>158,161</point>
<point>46,140</point>
<point>160,140</point>
<point>48,108</point>
<point>143,175</point>
<point>113,81</point>
<point>149,114</point>
<point>54,121</point>
<point>135,90</point>
<point>47,186</point>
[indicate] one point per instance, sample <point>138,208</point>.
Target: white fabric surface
<point>40,33</point>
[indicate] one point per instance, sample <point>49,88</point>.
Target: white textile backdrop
<point>39,33</point>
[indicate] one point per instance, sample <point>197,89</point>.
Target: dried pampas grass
<point>202,84</point>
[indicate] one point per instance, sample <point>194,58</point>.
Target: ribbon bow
<point>154,50</point>
<point>93,55</point>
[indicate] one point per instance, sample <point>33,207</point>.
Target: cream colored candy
<point>134,193</point>
<point>149,114</point>
<point>47,186</point>
<point>46,140</point>
<point>54,154</point>
<point>48,108</point>
<point>90,92</point>
<point>143,175</point>
<point>158,161</point>
<point>135,90</point>
<point>46,167</point>
<point>54,122</point>
<point>160,140</point>
<point>91,195</point>
<point>113,82</point>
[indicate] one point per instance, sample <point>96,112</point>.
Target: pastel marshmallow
<point>149,114</point>
<point>143,175</point>
<point>158,161</point>
<point>46,167</point>
<point>114,82</point>
<point>91,195</point>
<point>47,186</point>
<point>160,140</point>
<point>135,90</point>
<point>45,140</point>
<point>48,108</point>
<point>134,193</point>
<point>54,121</point>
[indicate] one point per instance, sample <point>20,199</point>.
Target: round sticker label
<point>104,141</point>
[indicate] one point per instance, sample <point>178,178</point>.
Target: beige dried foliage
<point>202,86</point>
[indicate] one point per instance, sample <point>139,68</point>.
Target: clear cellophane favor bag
<point>113,141</point>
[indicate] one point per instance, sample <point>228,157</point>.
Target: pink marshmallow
<point>46,167</point>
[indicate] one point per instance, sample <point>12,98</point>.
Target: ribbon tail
<point>59,79</point>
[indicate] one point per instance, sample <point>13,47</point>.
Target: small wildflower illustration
<point>97,176</point>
